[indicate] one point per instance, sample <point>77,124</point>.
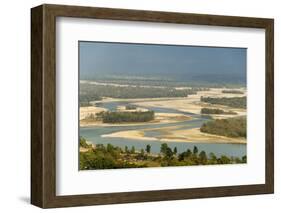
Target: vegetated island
<point>231,127</point>
<point>236,102</point>
<point>113,157</point>
<point>126,115</point>
<point>216,111</point>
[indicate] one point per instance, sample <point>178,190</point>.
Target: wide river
<point>93,134</point>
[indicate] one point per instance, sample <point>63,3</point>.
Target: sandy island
<point>87,111</point>
<point>170,135</point>
<point>160,118</point>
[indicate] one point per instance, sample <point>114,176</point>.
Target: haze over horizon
<point>216,65</point>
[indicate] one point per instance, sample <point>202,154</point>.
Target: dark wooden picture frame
<point>43,105</point>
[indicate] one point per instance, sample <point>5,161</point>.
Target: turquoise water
<point>94,134</point>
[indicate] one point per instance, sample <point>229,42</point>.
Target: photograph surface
<point>155,105</point>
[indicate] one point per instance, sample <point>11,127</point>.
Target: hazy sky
<point>184,63</point>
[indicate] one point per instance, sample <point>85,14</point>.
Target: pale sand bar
<point>86,111</point>
<point>170,135</point>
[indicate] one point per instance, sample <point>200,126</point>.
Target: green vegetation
<point>86,98</point>
<point>113,157</point>
<point>130,107</point>
<point>124,117</point>
<point>148,148</point>
<point>231,127</point>
<point>83,143</point>
<point>85,104</point>
<point>216,111</point>
<point>233,91</point>
<point>96,92</point>
<point>236,102</point>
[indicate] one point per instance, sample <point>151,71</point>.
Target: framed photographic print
<point>136,106</point>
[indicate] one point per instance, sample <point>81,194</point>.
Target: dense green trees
<point>83,143</point>
<point>86,98</point>
<point>123,117</point>
<point>148,148</point>
<point>236,102</point>
<point>111,157</point>
<point>130,107</point>
<point>163,148</point>
<point>102,157</point>
<point>195,150</point>
<point>167,152</point>
<point>216,111</point>
<point>231,127</point>
<point>99,158</point>
<point>203,157</point>
<point>133,150</point>
<point>126,149</point>
<point>95,92</point>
